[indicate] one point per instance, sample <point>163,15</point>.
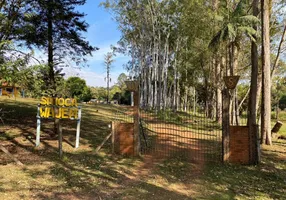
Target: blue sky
<point>102,33</point>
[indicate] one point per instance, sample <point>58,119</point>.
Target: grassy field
<point>85,174</point>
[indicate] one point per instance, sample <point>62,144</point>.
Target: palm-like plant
<point>234,25</point>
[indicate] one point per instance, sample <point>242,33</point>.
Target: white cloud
<point>95,74</point>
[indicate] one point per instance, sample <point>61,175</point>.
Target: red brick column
<point>239,145</point>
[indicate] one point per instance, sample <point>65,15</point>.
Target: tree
<point>278,90</point>
<point>34,81</point>
<point>99,93</point>
<point>121,81</point>
<point>107,62</point>
<point>56,26</point>
<point>86,94</point>
<point>253,93</point>
<point>266,75</point>
<point>75,87</point>
<point>11,19</point>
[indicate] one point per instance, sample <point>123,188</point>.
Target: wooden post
<point>257,149</point>
<point>15,92</point>
<point>60,133</point>
<point>78,128</point>
<point>136,124</point>
<point>18,162</point>
<point>225,124</point>
<point>113,135</point>
<point>38,127</point>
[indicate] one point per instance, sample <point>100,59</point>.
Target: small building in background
<point>9,90</point>
<point>114,102</point>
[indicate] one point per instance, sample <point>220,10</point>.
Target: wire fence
<point>168,133</point>
<point>125,114</point>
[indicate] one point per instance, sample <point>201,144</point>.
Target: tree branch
<point>278,52</point>
<point>26,54</point>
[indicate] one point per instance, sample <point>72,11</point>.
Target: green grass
<point>85,174</point>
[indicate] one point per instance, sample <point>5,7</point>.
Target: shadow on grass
<point>264,181</point>
<point>83,174</point>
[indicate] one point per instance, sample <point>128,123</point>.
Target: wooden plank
<point>103,142</point>
<point>113,124</point>
<point>18,162</point>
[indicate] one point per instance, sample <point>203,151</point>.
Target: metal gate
<point>181,133</point>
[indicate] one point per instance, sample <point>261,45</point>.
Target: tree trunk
<point>266,74</point>
<point>159,74</point>
<point>194,103</point>
<point>150,84</point>
<point>178,95</point>
<point>165,72</point>
<point>175,79</point>
<point>51,50</point>
<point>253,97</point>
<point>218,91</point>
<point>186,99</point>
<point>51,63</point>
<point>155,74</point>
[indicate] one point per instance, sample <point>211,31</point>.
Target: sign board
<point>231,81</point>
<point>58,108</point>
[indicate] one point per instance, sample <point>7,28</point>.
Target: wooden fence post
<point>78,128</point>
<point>113,135</point>
<point>38,134</point>
<point>136,124</point>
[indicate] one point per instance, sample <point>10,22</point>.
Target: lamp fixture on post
<point>132,86</point>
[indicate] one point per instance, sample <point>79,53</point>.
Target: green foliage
<point>35,81</point>
<point>67,25</point>
<point>282,102</point>
<point>98,93</point>
<point>86,94</point>
<point>234,24</point>
<point>242,90</point>
<point>77,88</point>
<point>278,91</point>
<point>120,81</point>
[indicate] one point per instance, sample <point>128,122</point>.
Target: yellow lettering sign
<point>58,113</point>
<point>43,112</point>
<point>65,108</point>
<point>65,112</point>
<point>74,102</point>
<point>60,102</point>
<point>73,113</point>
<point>67,102</point>
<point>43,101</point>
